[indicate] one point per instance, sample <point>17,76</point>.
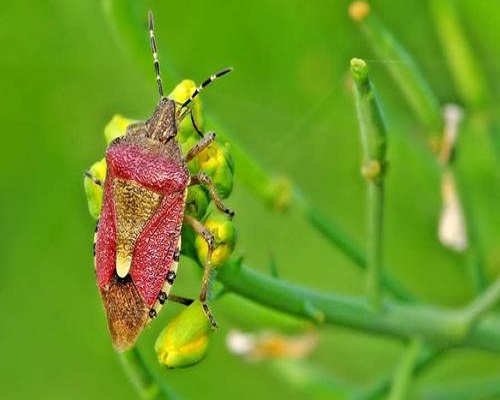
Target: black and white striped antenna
<point>205,84</point>
<point>154,49</point>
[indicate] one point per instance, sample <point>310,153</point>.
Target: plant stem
<point>439,327</point>
<point>475,260</point>
<point>280,195</point>
<point>310,380</point>
<point>380,388</point>
<point>465,70</point>
<point>373,141</point>
<point>456,196</point>
<point>482,304</point>
<point>146,384</point>
<point>402,67</point>
<point>405,371</point>
<point>478,388</point>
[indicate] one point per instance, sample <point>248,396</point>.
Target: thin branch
<point>401,66</point>
<point>146,384</point>
<point>425,358</point>
<point>478,388</point>
<point>438,327</point>
<point>459,230</point>
<point>405,371</point>
<point>464,66</point>
<point>373,140</point>
<point>482,304</point>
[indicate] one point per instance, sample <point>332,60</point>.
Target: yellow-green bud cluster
<point>225,239</point>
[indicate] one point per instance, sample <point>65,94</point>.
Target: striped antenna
<point>205,84</point>
<point>155,52</point>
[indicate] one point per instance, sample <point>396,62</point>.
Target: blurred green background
<point>67,68</point>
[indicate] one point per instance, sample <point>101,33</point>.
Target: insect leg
<point>204,142</point>
<point>180,299</point>
<point>98,182</point>
<point>195,126</point>
<point>205,283</point>
<point>202,178</point>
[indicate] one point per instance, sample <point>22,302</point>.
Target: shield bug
<point>138,235</point>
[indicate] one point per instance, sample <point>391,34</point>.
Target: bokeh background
<point>67,67</point>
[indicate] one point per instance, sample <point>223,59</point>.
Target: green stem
<point>475,259</point>
<point>146,384</point>
<point>479,388</point>
<point>426,357</point>
<point>310,380</point>
<point>279,194</point>
<point>404,71</point>
<point>465,70</point>
<point>405,371</point>
<point>482,304</point>
<point>439,327</point>
<point>373,140</point>
<point>335,235</point>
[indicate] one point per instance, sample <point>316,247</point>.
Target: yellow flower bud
<point>359,10</point>
<point>216,161</point>
<point>116,127</point>
<point>180,94</point>
<point>197,202</point>
<point>94,191</point>
<point>225,239</point>
<point>184,341</point>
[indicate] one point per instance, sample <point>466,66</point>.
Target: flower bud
<point>217,163</point>
<point>180,94</point>
<point>184,341</point>
<point>94,191</point>
<point>359,10</point>
<point>225,239</point>
<point>116,127</point>
<point>197,202</point>
<point>452,231</point>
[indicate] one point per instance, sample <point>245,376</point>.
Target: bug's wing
<point>105,239</point>
<point>125,309</point>
<point>156,246</point>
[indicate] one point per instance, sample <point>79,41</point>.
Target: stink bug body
<point>138,236</point>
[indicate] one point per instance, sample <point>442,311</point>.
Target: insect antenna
<point>154,49</point>
<point>205,84</point>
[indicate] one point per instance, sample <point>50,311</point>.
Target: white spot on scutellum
<point>452,231</point>
<point>123,264</point>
